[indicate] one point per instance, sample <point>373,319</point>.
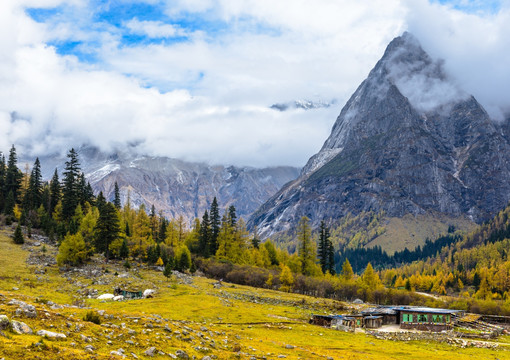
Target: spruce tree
<point>116,199</point>
<point>55,192</point>
<point>33,195</point>
<point>232,215</point>
<point>305,252</point>
<point>323,248</point>
<point>204,235</point>
<point>3,195</point>
<point>215,222</point>
<point>124,250</point>
<point>89,194</point>
<point>71,191</point>
<point>13,175</point>
<point>255,241</point>
<point>107,228</point>
<point>330,253</point>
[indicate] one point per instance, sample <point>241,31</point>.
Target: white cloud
<point>153,29</point>
<point>207,98</point>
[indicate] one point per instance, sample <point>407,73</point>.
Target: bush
<point>92,317</point>
<point>18,236</point>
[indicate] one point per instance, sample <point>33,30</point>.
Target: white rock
<point>148,293</point>
<point>118,298</point>
<point>106,297</point>
<point>51,334</point>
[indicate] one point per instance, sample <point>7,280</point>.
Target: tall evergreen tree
<point>71,190</point>
<point>330,253</point>
<point>33,195</point>
<point>204,235</point>
<point>55,192</point>
<point>323,247</point>
<point>13,175</point>
<point>232,215</point>
<point>305,250</point>
<point>116,199</point>
<point>107,228</point>
<point>3,195</point>
<point>326,251</point>
<point>215,222</point>
<point>89,194</point>
<point>255,241</point>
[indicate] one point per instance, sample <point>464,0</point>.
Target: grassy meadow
<point>187,313</point>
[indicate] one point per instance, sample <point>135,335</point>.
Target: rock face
<point>176,187</point>
<point>408,141</point>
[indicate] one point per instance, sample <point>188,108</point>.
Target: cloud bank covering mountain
<point>195,80</point>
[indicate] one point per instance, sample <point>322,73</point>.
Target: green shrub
<point>92,317</point>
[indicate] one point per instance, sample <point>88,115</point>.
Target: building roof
<point>427,310</point>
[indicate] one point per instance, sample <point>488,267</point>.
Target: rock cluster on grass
<point>444,337</point>
<point>25,309</point>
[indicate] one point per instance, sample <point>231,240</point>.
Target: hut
<point>128,294</point>
<point>372,322</point>
<point>388,313</point>
<point>322,320</point>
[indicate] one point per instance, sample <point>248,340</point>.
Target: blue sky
<point>195,79</point>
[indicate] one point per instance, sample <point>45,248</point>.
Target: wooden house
<point>428,319</point>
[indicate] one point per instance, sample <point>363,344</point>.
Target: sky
<point>218,80</point>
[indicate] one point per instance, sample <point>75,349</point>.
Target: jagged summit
<point>405,80</point>
<point>408,141</point>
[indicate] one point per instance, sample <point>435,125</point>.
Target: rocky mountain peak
<point>408,141</point>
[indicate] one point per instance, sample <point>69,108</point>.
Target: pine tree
<point>55,192</point>
<point>89,194</point>
<point>215,226</point>
<point>13,175</point>
<point>305,250</point>
<point>255,241</point>
<point>330,253</point>
<point>3,195</point>
<point>124,250</point>
<point>71,191</point>
<point>232,215</point>
<point>323,248</point>
<point>204,235</point>
<point>107,228</point>
<point>33,196</point>
<point>168,270</point>
<point>116,199</point>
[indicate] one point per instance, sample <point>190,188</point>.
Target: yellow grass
<point>244,322</point>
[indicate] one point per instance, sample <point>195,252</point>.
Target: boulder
<point>151,351</point>
<point>118,298</point>
<point>148,293</point>
<point>51,335</point>
<point>181,354</point>
<point>21,328</point>
<point>106,297</point>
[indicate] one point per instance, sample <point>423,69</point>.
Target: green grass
<point>258,322</point>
